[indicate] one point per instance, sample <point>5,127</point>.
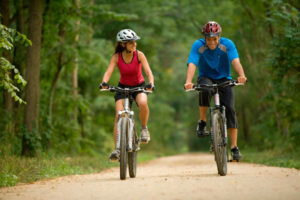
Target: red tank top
<point>131,73</point>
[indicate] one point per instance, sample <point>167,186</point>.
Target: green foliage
<point>25,170</point>
<point>8,37</point>
<point>283,65</point>
<point>272,158</point>
<point>32,140</point>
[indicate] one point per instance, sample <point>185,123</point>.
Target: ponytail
<point>119,48</point>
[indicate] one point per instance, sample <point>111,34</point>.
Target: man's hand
<point>242,79</point>
<point>188,86</point>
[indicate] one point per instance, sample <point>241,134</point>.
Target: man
<point>214,55</point>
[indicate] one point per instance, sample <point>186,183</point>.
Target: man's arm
<point>189,76</point>
<point>239,70</point>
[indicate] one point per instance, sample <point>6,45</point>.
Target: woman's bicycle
<point>218,130</point>
<point>127,138</point>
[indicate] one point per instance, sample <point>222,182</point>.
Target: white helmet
<point>127,35</point>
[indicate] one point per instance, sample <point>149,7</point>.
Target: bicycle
<point>218,128</point>
<point>127,140</point>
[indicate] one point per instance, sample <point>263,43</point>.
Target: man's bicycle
<point>127,138</point>
<point>218,127</point>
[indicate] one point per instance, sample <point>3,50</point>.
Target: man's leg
<point>227,99</point>
<point>235,152</point>
<point>204,100</point>
<point>202,110</point>
<point>233,137</point>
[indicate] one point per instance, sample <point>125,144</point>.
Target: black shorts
<point>226,99</point>
<point>120,95</point>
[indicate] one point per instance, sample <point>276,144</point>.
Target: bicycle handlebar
<point>199,87</point>
<point>126,90</point>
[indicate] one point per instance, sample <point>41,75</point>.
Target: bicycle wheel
<point>132,156</point>
<point>219,146</point>
<point>123,146</point>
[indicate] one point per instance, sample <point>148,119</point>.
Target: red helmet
<point>211,29</point>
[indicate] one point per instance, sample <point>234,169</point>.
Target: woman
<point>130,62</point>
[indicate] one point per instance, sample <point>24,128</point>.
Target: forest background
<point>55,52</point>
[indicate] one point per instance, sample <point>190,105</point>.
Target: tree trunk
<point>61,34</point>
<point>91,31</point>
<point>75,70</point>
<point>32,92</point>
<point>268,14</point>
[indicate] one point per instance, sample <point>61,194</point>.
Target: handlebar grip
<point>103,84</point>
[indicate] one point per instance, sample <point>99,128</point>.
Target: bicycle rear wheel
<point>123,146</point>
<point>219,143</point>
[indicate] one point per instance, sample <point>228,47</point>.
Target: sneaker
<point>201,129</point>
<point>145,136</point>
<point>115,155</point>
<point>235,154</point>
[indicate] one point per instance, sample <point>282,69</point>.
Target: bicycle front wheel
<point>219,143</point>
<point>133,155</point>
<point>123,147</point>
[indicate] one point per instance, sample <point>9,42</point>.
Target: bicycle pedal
<point>144,141</point>
<point>138,148</point>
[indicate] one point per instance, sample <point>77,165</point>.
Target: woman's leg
<point>141,100</point>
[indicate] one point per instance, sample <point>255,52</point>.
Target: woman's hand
<point>150,87</point>
<point>103,85</point>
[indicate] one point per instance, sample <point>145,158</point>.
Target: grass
<point>273,158</point>
<point>26,170</point>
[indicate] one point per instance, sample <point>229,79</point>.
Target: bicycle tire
<point>132,156</point>
<point>123,147</point>
<point>219,147</point>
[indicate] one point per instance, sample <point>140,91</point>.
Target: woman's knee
<point>143,103</point>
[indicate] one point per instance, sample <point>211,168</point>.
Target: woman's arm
<point>146,67</point>
<point>110,69</point>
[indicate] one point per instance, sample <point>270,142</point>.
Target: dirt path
<point>188,176</point>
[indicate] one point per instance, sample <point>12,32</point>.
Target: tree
<point>32,95</point>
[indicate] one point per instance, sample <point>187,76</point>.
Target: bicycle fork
<point>129,114</point>
<point>223,114</point>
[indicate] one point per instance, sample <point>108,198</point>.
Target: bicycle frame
<point>217,99</point>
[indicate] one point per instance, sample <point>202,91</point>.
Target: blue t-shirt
<point>215,63</point>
